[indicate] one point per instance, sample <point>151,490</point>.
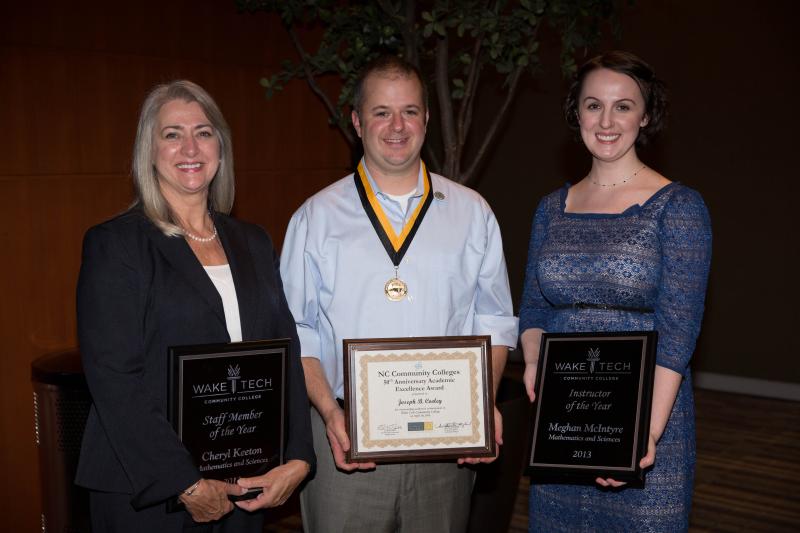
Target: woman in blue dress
<point>622,249</point>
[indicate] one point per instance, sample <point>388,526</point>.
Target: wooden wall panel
<point>17,452</point>
<point>273,196</point>
<point>73,75</point>
<point>41,257</point>
<point>72,79</point>
<point>730,136</point>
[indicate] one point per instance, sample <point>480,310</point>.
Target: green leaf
<point>504,67</point>
<point>353,33</point>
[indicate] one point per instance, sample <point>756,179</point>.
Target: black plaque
<point>592,411</point>
<point>227,405</point>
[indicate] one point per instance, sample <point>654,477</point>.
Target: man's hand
<point>276,485</point>
<point>323,400</point>
<point>209,500</point>
<point>340,443</point>
<point>498,437</point>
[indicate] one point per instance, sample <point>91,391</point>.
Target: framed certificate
<point>410,399</point>
<point>227,405</point>
<point>592,412</point>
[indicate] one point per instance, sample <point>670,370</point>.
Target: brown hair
<point>386,65</point>
<point>653,90</point>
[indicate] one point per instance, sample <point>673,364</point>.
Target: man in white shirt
<point>436,268</point>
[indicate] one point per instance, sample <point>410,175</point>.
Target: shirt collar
<point>419,191</point>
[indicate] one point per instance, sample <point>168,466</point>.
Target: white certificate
<point>422,398</point>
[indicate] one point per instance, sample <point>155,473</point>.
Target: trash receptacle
<point>61,403</point>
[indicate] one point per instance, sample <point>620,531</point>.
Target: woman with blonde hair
<point>176,269</point>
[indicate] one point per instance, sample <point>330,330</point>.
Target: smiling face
<point>391,124</point>
<point>611,109</point>
<point>187,150</point>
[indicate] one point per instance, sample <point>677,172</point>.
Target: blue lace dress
<point>654,256</point>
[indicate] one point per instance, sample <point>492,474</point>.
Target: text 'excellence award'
<point>227,405</point>
<point>410,399</point>
<point>592,411</point>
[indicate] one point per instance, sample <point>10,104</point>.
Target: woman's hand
<point>665,389</point>
<point>647,461</point>
<point>209,500</point>
<point>649,458</point>
<point>276,485</point>
<point>530,340</point>
<point>529,379</point>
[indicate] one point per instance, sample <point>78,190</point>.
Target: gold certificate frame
<point>424,398</point>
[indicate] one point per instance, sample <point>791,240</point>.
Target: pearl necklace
<point>619,182</point>
<point>201,239</point>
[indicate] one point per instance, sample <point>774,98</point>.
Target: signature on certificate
<point>452,427</point>
<point>387,430</point>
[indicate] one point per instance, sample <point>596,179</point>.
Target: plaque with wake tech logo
<point>227,405</point>
<point>592,411</point>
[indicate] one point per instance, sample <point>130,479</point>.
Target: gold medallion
<point>395,289</point>
<point>395,245</point>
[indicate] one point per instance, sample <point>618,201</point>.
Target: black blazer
<point>140,292</point>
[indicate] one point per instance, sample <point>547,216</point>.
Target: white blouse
<point>223,280</point>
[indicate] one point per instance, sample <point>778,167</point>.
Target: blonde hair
<point>145,178</point>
